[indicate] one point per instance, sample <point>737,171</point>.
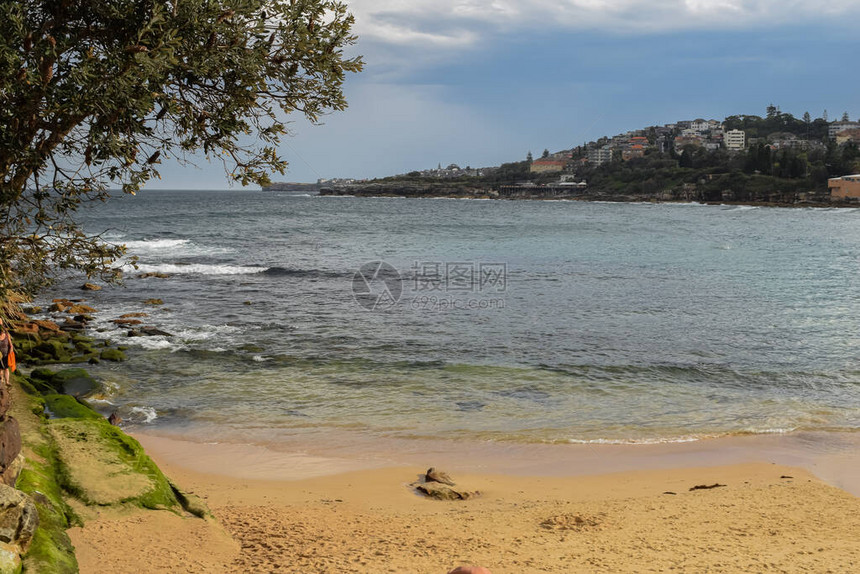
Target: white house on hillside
<point>735,139</point>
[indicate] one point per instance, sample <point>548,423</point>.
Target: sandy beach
<point>558,509</point>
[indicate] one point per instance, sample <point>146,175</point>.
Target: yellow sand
<point>324,518</point>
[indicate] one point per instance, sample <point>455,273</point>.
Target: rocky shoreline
<point>382,189</point>
<point>59,457</point>
<point>570,193</point>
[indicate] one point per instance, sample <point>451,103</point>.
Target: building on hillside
<point>600,155</point>
<point>681,142</point>
<point>635,150</point>
<point>547,165</point>
<point>784,140</point>
<point>845,187</point>
<point>848,136</point>
<point>837,127</point>
<point>735,139</point>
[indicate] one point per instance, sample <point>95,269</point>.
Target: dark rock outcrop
<point>434,475</point>
<point>444,492</point>
<point>439,485</point>
<point>10,443</point>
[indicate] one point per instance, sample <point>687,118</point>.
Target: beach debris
<point>786,476</point>
<point>153,302</point>
<point>706,486</point>
<point>114,419</point>
<point>572,522</point>
<point>433,475</point>
<point>670,492</point>
<point>470,570</point>
<point>91,287</point>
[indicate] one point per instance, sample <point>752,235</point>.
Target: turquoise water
<point>508,321</point>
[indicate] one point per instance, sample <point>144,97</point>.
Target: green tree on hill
<point>95,95</point>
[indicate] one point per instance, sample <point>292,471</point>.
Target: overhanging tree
<point>95,94</point>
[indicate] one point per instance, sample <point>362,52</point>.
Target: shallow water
<point>514,321</point>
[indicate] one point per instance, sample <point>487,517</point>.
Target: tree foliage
<point>777,121</point>
<point>94,95</point>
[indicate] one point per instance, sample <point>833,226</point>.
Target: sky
<point>482,82</point>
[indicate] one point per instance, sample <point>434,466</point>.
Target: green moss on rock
<point>24,346</point>
<point>112,355</point>
<point>42,374</point>
<point>52,350</point>
<point>102,465</point>
<point>84,347</point>
<point>76,382</point>
<point>26,385</point>
<point>40,381</point>
<point>64,406</point>
<point>50,549</point>
<point>192,503</point>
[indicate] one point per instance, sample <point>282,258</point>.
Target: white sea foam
<point>260,358</point>
<point>636,440</point>
<point>680,439</point>
<point>196,269</point>
<point>154,343</point>
<point>206,332</point>
<point>156,244</point>
<point>770,430</point>
<point>148,414</point>
<point>173,247</point>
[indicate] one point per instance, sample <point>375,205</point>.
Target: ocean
<point>506,321</point>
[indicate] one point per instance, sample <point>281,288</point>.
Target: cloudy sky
<point>481,82</point>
